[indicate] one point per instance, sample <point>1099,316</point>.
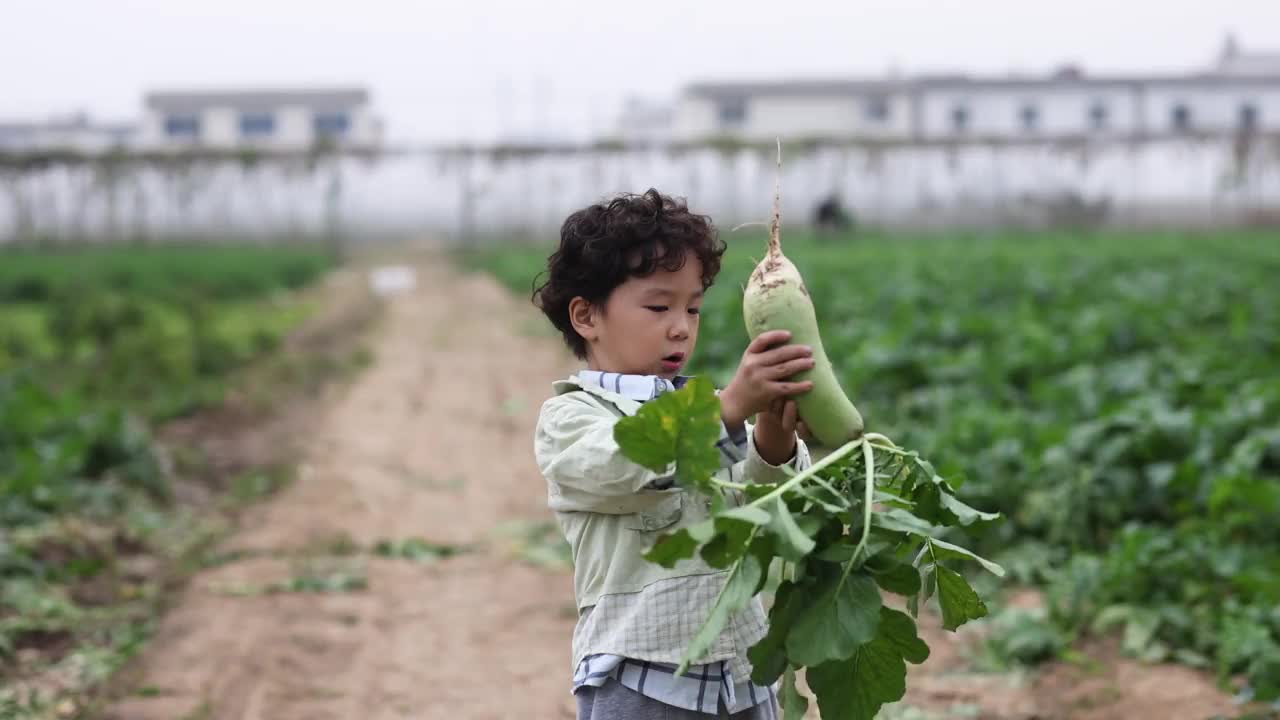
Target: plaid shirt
<point>642,621</point>
<point>701,688</point>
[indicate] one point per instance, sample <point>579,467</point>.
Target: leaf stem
<point>868,459</point>
<point>809,472</point>
<point>892,448</point>
<point>729,485</point>
<point>861,547</point>
<point>826,485</point>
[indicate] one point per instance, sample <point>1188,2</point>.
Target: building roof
<point>793,88</point>
<point>1199,79</point>
<point>1067,79</point>
<point>256,100</point>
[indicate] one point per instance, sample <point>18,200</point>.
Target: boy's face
<point>648,326</point>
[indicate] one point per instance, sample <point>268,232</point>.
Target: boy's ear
<point>582,314</point>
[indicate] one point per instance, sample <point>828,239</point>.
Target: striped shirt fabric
<point>701,688</point>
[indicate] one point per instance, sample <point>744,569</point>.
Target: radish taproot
<point>776,299</point>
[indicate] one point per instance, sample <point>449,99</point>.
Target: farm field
<point>104,355</point>
<point>1115,396</point>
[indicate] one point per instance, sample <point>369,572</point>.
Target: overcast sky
<point>474,69</point>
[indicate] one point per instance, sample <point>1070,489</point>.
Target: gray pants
<point>615,701</point>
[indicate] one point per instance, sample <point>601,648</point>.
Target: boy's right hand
<point>762,376</point>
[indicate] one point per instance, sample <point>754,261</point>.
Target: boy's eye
<point>694,311</point>
<point>656,308</point>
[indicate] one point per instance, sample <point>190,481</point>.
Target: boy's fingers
<point>789,416</point>
<point>779,355</point>
<point>791,367</point>
<point>767,339</point>
<point>791,389</point>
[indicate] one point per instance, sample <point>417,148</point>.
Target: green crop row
<point>97,349</point>
<point>1115,396</point>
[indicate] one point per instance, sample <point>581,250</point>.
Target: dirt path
<point>432,441</point>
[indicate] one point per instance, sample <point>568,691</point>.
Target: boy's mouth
<point>673,361</point>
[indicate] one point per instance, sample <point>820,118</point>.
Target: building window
<point>1030,116</point>
<point>1180,117</point>
<point>877,109</point>
<point>257,125</point>
<point>959,118</point>
<point>1248,117</point>
<point>332,124</point>
<point>186,127</point>
<point>732,112</point>
<point>1098,116</point>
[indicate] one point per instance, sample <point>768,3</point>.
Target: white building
<point>264,119</point>
<point>76,133</point>
<point>1241,92</point>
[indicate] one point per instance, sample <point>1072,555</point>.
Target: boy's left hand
<point>775,431</point>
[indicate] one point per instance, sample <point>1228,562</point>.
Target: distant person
<point>624,289</point>
<point>830,216</point>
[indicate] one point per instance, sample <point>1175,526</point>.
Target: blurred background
<point>486,118</point>
<point>254,256</point>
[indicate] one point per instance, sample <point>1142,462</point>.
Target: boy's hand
<point>776,430</point>
<point>762,378</point>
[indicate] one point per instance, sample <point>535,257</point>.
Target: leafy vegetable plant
<point>865,519</point>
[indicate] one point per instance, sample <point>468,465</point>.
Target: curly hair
<point>629,236</point>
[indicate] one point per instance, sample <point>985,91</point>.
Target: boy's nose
<point>679,329</point>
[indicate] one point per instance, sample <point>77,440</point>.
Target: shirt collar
<point>640,388</point>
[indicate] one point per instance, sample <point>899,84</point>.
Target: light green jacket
<point>601,499</point>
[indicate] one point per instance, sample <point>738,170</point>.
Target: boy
<point>624,288</point>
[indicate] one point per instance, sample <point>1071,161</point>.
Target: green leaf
<point>794,703</point>
<point>1264,678</point>
<point>836,552</point>
<point>854,689</point>
<point>888,498</point>
<point>928,499</point>
<point>894,575</point>
<point>949,550</point>
<point>729,543</point>
<point>965,514</point>
<point>824,498</point>
<point>738,590</point>
<point>898,628</point>
<point>844,614</point>
<point>794,543</point>
<point>753,515</point>
<point>929,581</point>
<point>683,543</point>
<point>928,585</point>
<point>936,503</point>
<point>899,520</point>
<point>959,602</point>
<point>755,491</point>
<point>768,656</point>
<point>765,548</point>
<point>678,427</point>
